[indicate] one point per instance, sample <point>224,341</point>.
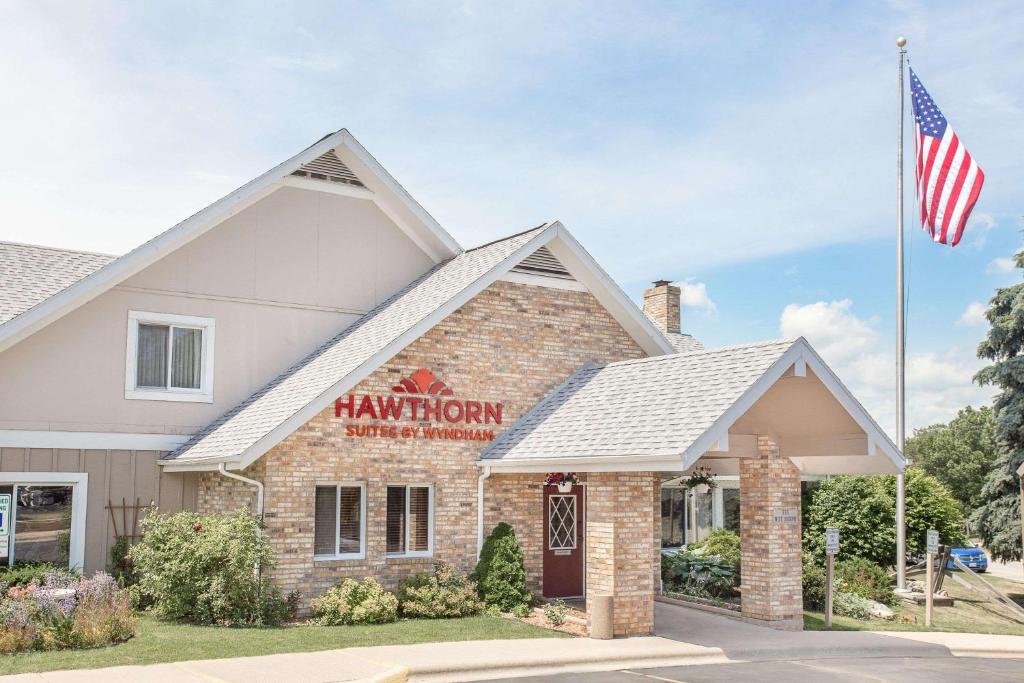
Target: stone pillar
<point>770,538</point>
<point>620,547</point>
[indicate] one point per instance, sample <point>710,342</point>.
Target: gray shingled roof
<point>649,407</point>
<point>30,274</point>
<point>684,343</point>
<point>245,425</point>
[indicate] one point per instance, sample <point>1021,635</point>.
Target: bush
<point>866,579</point>
<point>521,610</point>
<point>864,510</point>
<point>355,602</point>
<point>500,575</point>
<point>851,605</point>
<point>30,572</point>
<point>120,565</point>
<point>721,543</point>
<point>555,612</point>
<point>696,575</point>
<point>201,568</point>
<point>814,581</point>
<point>64,611</point>
<point>440,594</point>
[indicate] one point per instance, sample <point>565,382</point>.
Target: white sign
<point>5,513</point>
<point>785,515</point>
<point>933,541</point>
<point>4,546</point>
<point>831,541</point>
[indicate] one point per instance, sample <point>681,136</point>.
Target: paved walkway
<point>686,637</point>
<point>1012,571</point>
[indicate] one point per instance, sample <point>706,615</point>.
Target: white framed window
<point>339,526</point>
<point>42,517</point>
<point>410,520</point>
<point>170,357</point>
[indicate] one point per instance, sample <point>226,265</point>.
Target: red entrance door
<point>563,543</point>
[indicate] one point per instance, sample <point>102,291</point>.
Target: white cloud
<point>1001,265</point>
<point>694,294</point>
<point>973,315</point>
<point>978,227</point>
<point>938,383</point>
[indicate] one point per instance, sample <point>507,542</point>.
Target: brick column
<point>770,538</point>
<point>620,547</point>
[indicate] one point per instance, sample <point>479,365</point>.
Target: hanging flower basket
<point>563,480</point>
<point>702,480</point>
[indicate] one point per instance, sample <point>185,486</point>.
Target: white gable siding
<point>279,278</point>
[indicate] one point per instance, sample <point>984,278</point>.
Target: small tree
<point>500,574</point>
<point>959,454</point>
<point>864,510</point>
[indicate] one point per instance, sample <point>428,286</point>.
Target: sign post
<point>831,548</point>
<point>933,548</point>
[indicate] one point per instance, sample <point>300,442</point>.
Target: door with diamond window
<point>563,543</point>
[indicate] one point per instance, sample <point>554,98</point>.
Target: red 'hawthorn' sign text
<point>419,408</point>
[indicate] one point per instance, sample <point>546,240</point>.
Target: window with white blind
<point>339,516</point>
<point>170,357</point>
<point>410,520</point>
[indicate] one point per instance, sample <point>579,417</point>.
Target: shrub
<point>500,575</point>
<point>440,594</point>
<point>814,581</point>
<point>555,612</point>
<point>851,605</point>
<point>355,602</point>
<point>63,611</point>
<point>120,565</point>
<point>866,579</point>
<point>864,509</point>
<point>522,610</point>
<point>24,574</point>
<point>201,568</point>
<point>692,574</point>
<point>721,543</point>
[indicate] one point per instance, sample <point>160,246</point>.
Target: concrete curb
<point>396,674</point>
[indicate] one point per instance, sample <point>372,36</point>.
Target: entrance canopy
<point>667,412</point>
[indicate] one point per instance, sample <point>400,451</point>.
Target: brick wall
<point>621,546</point>
<point>512,344</point>
<point>770,538</point>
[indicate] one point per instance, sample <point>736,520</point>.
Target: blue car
<point>974,558</point>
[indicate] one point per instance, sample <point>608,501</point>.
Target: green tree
<point>997,520</point>
<point>864,510</point>
<point>959,454</point>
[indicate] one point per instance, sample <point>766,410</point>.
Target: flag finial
<point>901,42</point>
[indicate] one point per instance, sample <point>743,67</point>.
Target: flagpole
<point>901,529</point>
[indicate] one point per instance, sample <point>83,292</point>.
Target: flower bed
<point>63,611</point>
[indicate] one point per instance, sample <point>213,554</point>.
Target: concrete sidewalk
<point>458,661</point>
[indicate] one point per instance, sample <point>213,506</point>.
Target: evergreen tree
<point>997,520</point>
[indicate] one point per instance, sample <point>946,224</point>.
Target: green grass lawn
<point>972,612</point>
<point>161,641</point>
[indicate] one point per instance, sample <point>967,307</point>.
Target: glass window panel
<point>42,527</point>
<point>731,509</point>
<point>350,510</point>
<point>151,361</point>
<point>672,517</point>
<point>419,518</point>
<point>705,508</point>
<point>324,520</point>
<point>186,358</point>
<point>396,519</point>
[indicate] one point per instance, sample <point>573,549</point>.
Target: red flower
<point>197,527</point>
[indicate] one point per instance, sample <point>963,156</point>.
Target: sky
<point>744,150</point>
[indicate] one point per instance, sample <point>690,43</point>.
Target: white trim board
<point>126,441</point>
<point>426,230</point>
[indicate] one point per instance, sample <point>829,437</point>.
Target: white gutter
<point>222,468</point>
<point>480,510</point>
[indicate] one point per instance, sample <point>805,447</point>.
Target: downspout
<point>480,510</point>
<point>222,468</point>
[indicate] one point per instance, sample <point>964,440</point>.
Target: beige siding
<point>113,476</point>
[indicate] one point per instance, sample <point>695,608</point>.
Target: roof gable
<point>261,422</point>
<point>374,183</point>
<point>670,409</point>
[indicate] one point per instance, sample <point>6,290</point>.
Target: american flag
<point>948,179</point>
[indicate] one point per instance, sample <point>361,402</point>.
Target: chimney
<point>661,305</point>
